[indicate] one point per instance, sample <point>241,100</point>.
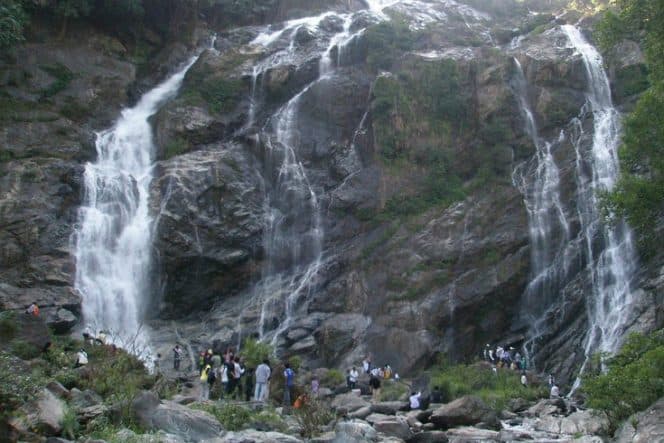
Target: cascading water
<point>549,230</point>
<point>611,264</point>
<point>114,238</point>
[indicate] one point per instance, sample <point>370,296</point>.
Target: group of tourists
<point>504,357</point>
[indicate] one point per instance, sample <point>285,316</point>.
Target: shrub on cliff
<point>634,379</point>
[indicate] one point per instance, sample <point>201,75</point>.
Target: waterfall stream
<point>611,265</point>
<point>114,238</point>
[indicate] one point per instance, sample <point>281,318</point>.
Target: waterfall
<point>114,238</point>
<point>611,260</point>
<point>549,229</point>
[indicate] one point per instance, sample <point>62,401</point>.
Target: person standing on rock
<point>524,379</point>
<point>555,391</point>
<point>352,378</point>
<point>366,365</point>
<point>414,400</point>
<point>289,382</point>
<point>262,377</point>
<point>205,387</point>
<point>177,357</point>
<point>374,382</point>
<point>33,309</point>
<point>81,358</point>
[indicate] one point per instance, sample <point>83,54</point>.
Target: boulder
<point>468,410</point>
<point>373,418</point>
<point>60,320</point>
<point>644,427</point>
<point>354,431</point>
<point>549,406</point>
<point>347,403</point>
<point>387,407</point>
<point>58,390</point>
<point>361,413</point>
<point>429,437</point>
<point>470,434</point>
<point>50,412</point>
<point>580,422</point>
<point>251,435</point>
<point>89,413</point>
<point>84,399</point>
<point>394,426</point>
<point>172,418</point>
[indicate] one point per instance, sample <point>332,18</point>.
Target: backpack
<point>212,377</point>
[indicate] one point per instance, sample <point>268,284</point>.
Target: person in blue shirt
<point>289,376</point>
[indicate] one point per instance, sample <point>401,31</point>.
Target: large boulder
<point>348,403</point>
<point>468,410</point>
<point>429,437</point>
<point>580,422</point>
<point>189,424</point>
<point>354,431</point>
<point>644,427</point>
<point>251,435</point>
<point>387,407</point>
<point>394,426</point>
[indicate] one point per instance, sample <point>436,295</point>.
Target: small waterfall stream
<point>114,238</point>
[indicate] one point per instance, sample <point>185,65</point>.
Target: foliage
<point>634,379</point>
<point>392,390</point>
<point>70,425</point>
<point>255,351</point>
<point>220,94</point>
<point>496,389</point>
<point>12,21</point>
<point>24,350</point>
<point>63,76</point>
<point>639,194</point>
<point>8,326</point>
<point>312,416</point>
<point>17,383</point>
<point>232,416</point>
<point>385,42</point>
<point>333,377</point>
<point>174,147</point>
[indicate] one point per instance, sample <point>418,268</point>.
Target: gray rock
<point>354,432</point>
<point>58,390</point>
<point>347,403</point>
<point>61,320</point>
<point>50,412</point>
<point>468,410</point>
<point>361,413</point>
<point>395,426</point>
<point>471,435</point>
<point>387,407</point>
<point>83,399</point>
<point>546,407</point>
<point>429,437</point>
<point>643,427</point>
<point>172,418</point>
<point>251,435</point>
<point>580,422</point>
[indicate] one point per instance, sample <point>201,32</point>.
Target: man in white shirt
<point>353,377</point>
<point>263,372</point>
<point>415,400</point>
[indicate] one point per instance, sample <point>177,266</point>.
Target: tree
<point>12,20</point>
<point>68,9</point>
<point>639,194</point>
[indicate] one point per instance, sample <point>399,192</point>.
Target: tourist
<point>366,365</point>
<point>436,395</point>
<point>352,378</point>
<point>485,354</point>
<point>224,380</point>
<point>207,358</point>
<point>552,380</point>
<point>555,391</point>
<point>216,361</point>
<point>248,377</point>
<point>205,387</point>
<point>289,382</point>
<point>374,382</point>
<point>234,378</point>
<point>524,379</point>
<point>315,385</point>
<point>177,357</point>
<point>387,372</point>
<point>87,334</point>
<point>101,338</point>
<point>414,400</point>
<point>262,377</point>
<point>81,358</point>
<point>33,309</point>
<point>156,363</point>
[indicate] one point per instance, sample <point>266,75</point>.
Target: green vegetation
<point>255,352</point>
<point>332,378</point>
<point>312,416</point>
<point>639,194</point>
<point>634,379</point>
<point>12,21</point>
<point>475,379</point>
<point>220,95</point>
<point>175,147</point>
<point>63,76</point>
<point>386,41</point>
<point>232,416</point>
<point>392,390</point>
